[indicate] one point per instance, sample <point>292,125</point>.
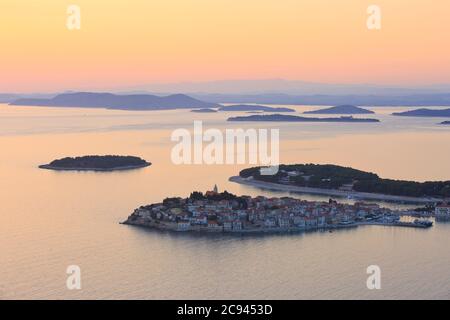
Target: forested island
<point>97,163</point>
<point>446,122</point>
<point>289,118</point>
<point>250,107</point>
<point>343,109</point>
<point>347,181</point>
<point>424,113</point>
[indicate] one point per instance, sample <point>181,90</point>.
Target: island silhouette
<point>289,118</point>
<point>140,102</point>
<point>342,109</point>
<point>424,112</point>
<point>97,163</point>
<point>250,107</point>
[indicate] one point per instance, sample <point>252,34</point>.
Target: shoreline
<point>330,192</point>
<point>268,231</point>
<point>49,167</point>
<point>172,228</point>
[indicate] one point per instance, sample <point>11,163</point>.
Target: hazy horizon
<point>124,45</point>
<point>257,86</point>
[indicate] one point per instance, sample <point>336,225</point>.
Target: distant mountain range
<point>439,99</point>
<point>424,113</point>
<point>289,87</point>
<point>344,109</point>
<point>118,102</point>
<point>272,91</point>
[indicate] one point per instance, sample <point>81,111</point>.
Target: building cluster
<point>261,213</point>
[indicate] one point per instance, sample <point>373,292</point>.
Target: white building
<point>183,226</point>
<point>321,221</point>
<point>283,222</point>
<point>237,225</point>
<point>227,226</point>
<point>299,222</point>
<point>213,225</point>
<point>270,223</point>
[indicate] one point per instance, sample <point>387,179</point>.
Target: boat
<point>425,223</point>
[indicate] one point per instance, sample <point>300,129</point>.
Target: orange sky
<point>125,43</point>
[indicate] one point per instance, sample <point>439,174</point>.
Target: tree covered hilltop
<point>95,162</point>
<point>335,177</point>
<point>343,109</point>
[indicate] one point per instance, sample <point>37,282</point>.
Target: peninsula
<point>226,212</point>
<point>438,113</point>
<point>343,109</point>
<point>250,107</point>
<point>340,181</point>
<point>97,163</point>
<point>289,118</point>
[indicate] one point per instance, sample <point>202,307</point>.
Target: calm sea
<point>50,220</point>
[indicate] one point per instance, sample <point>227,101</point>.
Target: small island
<point>207,110</point>
<point>337,181</point>
<point>442,113</point>
<point>289,118</point>
<point>445,123</point>
<point>251,107</point>
<point>343,109</point>
<point>97,163</point>
<point>224,212</point>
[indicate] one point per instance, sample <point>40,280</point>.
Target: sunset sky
<point>134,42</point>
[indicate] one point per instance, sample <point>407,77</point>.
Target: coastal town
<point>225,212</point>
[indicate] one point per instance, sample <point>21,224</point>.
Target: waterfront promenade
<point>330,192</point>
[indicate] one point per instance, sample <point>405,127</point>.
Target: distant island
<point>204,110</point>
<point>214,212</point>
<point>250,107</point>
<point>424,113</point>
<point>343,109</point>
<point>289,118</point>
<point>345,182</point>
<point>139,102</point>
<point>97,163</point>
<point>445,122</point>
